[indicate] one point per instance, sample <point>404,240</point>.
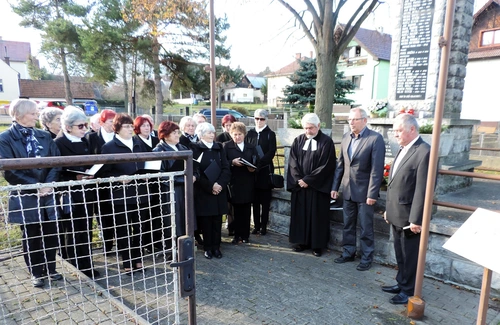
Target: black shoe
<point>55,276</point>
<point>391,289</point>
<point>344,259</point>
<point>263,232</point>
<point>37,282</point>
<point>317,252</point>
<point>255,231</point>
<point>363,266</point>
<point>299,248</point>
<point>235,240</point>
<point>208,255</point>
<point>399,299</point>
<point>217,253</point>
<point>245,241</point>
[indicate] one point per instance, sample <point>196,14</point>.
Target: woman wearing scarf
<point>33,210</point>
<point>187,126</point>
<point>75,221</point>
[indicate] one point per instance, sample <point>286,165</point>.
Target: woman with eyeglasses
<point>76,201</point>
<point>264,139</point>
<point>128,198</point>
<point>33,210</point>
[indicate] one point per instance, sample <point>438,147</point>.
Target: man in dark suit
<point>360,170</point>
<point>405,203</point>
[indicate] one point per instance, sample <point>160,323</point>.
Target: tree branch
<point>301,21</point>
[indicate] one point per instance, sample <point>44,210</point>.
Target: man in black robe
<point>310,168</point>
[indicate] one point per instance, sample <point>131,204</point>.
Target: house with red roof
<point>481,98</point>
<point>365,62</point>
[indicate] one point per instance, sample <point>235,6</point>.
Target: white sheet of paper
<point>152,165</point>
<point>94,169</point>
<point>477,238</point>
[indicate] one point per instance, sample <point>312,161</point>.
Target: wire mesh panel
<point>94,251</point>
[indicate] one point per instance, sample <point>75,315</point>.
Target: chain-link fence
<point>95,251</point>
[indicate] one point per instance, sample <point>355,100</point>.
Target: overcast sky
<point>262,32</point>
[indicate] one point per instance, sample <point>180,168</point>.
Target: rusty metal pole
<point>485,296</point>
<point>212,65</point>
<point>416,306</point>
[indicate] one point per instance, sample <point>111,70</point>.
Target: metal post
<point>445,43</point>
<point>212,64</point>
<point>485,295</point>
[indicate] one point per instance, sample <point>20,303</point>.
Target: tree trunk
<point>326,63</point>
<point>67,86</point>
<point>125,82</point>
<point>157,76</point>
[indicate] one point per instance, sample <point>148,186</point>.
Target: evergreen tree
<point>303,90</point>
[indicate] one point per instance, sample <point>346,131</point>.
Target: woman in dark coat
<point>50,120</point>
<point>227,121</point>
<point>75,221</point>
<point>264,139</point>
<point>33,210</point>
<point>103,209</point>
<point>210,197</point>
<point>169,134</point>
<point>187,126</point>
<point>143,129</point>
<point>241,186</point>
<point>129,201</point>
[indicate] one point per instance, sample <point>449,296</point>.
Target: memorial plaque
<point>415,43</point>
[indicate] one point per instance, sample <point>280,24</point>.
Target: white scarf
<point>209,145</point>
<point>72,138</point>
<point>129,143</point>
<point>107,136</point>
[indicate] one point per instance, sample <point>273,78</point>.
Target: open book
<point>90,172</point>
<point>247,163</point>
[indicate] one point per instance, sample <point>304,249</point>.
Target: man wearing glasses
<point>360,170</point>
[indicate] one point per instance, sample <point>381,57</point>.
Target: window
<point>358,50</point>
<point>356,80</point>
<point>1,86</point>
<point>490,38</point>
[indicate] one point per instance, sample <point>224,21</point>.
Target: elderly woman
<point>129,201</point>
<point>169,134</point>
<point>50,119</point>
<point>75,221</point>
<point>33,210</point>
<point>242,180</point>
<point>187,126</point>
<point>103,208</point>
<point>226,122</point>
<point>143,128</point>
<point>210,197</point>
<point>264,139</point>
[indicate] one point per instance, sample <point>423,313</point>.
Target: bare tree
<point>329,40</point>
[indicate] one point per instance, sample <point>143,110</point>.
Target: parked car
<point>220,112</point>
<point>89,106</point>
<point>58,104</point>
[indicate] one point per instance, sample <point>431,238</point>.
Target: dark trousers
<point>242,220</point>
<point>75,236</point>
<point>105,215</point>
<point>261,206</point>
<point>128,234</point>
<point>211,227</point>
<point>39,247</point>
<point>353,210</point>
<point>406,249</point>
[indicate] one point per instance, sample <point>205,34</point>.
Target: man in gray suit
<point>405,203</point>
<point>360,170</point>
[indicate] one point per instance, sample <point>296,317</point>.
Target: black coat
<point>115,146</point>
<point>12,145</point>
<point>267,142</point>
<point>154,142</point>
<point>242,180</point>
<point>96,141</point>
<point>206,203</point>
<point>223,137</point>
<point>185,141</point>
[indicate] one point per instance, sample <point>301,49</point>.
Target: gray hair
<point>95,118</point>
<point>20,107</point>
<point>407,121</point>
<point>184,121</point>
<point>261,113</point>
<point>195,116</point>
<point>72,114</point>
<point>360,110</point>
<point>310,118</point>
<point>203,128</point>
<point>48,115</point>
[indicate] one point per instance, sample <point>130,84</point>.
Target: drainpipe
<point>373,79</point>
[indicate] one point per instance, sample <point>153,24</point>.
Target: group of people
<point>315,176</point>
<point>134,215</point>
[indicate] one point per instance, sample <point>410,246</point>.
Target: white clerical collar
<point>312,142</point>
<point>107,136</point>
<point>209,145</point>
<point>72,138</point>
<point>129,143</point>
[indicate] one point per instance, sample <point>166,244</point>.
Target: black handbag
<point>277,181</point>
